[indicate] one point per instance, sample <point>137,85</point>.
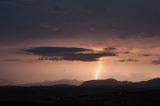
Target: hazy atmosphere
<point>47,40</point>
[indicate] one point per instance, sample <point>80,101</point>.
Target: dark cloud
<point>128,60</point>
<point>147,55</point>
<point>6,0</point>
<point>54,51</point>
<point>156,62</point>
<point>66,53</point>
<point>110,48</point>
<point>150,55</point>
<point>56,8</point>
<point>11,60</point>
<point>19,60</point>
<point>113,49</point>
<point>127,19</point>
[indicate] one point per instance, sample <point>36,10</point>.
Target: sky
<point>64,39</point>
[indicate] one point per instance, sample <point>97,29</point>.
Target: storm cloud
<point>91,18</point>
<point>156,62</point>
<point>128,60</point>
<point>66,53</point>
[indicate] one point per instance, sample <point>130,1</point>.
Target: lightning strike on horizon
<point>99,68</point>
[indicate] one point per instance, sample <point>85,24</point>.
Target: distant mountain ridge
<point>4,82</point>
<point>51,83</point>
<point>111,83</point>
<point>153,83</point>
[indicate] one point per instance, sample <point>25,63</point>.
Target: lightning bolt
<point>99,68</point>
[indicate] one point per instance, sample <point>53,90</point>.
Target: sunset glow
<point>63,39</point>
<point>79,50</point>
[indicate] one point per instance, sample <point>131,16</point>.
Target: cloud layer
<point>67,53</point>
<point>156,62</point>
<point>128,60</point>
<point>91,18</point>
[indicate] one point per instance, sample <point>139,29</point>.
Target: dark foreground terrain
<point>71,95</point>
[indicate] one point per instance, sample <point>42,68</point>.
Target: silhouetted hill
<point>51,83</point>
<point>104,83</point>
<point>154,83</point>
<point>91,93</point>
<point>64,86</point>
